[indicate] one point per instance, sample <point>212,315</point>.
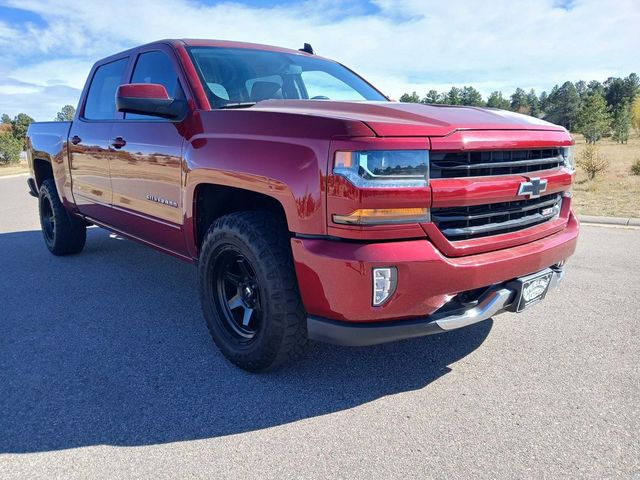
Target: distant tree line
<point>13,133</point>
<point>592,108</point>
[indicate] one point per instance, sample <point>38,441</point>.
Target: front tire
<point>249,292</point>
<point>63,233</point>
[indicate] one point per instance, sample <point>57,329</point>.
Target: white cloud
<point>71,72</point>
<point>407,45</point>
<point>39,102</point>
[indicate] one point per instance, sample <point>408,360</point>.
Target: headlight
<point>567,154</point>
<point>384,168</point>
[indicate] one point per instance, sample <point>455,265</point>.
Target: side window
<point>320,84</point>
<point>101,98</point>
<point>156,67</point>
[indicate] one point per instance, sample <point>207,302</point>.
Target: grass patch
<point>22,167</point>
<point>616,192</point>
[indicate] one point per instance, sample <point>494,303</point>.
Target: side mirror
<point>148,99</point>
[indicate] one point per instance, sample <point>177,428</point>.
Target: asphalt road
<point>107,371</point>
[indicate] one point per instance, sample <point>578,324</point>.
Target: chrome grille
<point>489,163</point>
<point>463,223</point>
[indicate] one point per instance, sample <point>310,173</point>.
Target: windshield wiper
<point>238,105</point>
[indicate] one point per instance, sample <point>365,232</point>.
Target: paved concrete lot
<point>107,371</point>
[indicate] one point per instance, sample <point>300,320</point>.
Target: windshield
<point>241,76</point>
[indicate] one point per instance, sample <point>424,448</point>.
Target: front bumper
<point>494,301</point>
<point>335,278</point>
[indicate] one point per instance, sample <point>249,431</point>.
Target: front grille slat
<point>464,223</point>
<point>450,217</point>
<point>519,163</point>
<point>490,163</point>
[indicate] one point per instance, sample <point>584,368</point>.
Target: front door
<point>146,163</point>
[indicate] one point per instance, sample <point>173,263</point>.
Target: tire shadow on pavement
<point>110,347</point>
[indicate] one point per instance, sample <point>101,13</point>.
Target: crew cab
<point>314,207</point>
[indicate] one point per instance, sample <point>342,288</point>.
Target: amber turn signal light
<point>382,216</point>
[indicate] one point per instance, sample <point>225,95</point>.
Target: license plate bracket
<point>530,289</point>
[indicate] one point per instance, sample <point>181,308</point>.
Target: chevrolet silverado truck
<point>314,207</point>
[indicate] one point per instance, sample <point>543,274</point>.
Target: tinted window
<point>321,85</point>
<point>101,99</point>
<point>156,67</point>
<point>238,75</point>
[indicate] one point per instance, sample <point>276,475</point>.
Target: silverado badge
<point>163,201</point>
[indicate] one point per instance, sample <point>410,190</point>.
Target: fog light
<point>384,284</point>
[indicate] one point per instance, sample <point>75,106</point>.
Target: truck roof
<point>199,42</point>
<point>202,42</point>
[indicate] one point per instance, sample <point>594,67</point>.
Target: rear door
<point>89,141</point>
<point>146,161</point>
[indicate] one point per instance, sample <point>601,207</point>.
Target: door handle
<point>76,139</point>
<point>118,142</point>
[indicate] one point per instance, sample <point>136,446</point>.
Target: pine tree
<point>635,114</point>
<point>631,87</point>
<point>593,119</point>
<point>592,162</point>
<point>519,101</point>
<point>563,105</point>
<point>582,88</point>
<point>454,96</point>
<point>432,96</point>
<point>413,98</point>
<point>544,97</point>
<point>534,103</point>
<point>622,123</point>
<point>66,114</point>
<point>595,86</point>
<point>496,100</point>
<point>471,96</point>
<point>20,126</point>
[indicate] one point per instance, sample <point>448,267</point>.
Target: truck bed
<point>47,138</point>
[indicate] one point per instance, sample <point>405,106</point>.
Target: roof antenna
<point>307,49</point>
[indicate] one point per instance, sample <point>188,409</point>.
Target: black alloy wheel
<point>63,233</point>
<point>249,290</point>
<point>237,293</point>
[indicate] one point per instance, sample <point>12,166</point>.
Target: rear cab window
<point>101,97</point>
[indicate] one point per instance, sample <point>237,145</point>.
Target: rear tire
<point>249,291</point>
<point>63,233</point>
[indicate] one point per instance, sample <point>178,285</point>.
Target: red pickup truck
<point>313,206</point>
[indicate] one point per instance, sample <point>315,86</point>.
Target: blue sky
<point>48,46</point>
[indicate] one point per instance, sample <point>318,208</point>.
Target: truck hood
<point>393,119</point>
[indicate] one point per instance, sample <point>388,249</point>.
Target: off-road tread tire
<point>265,237</point>
<point>70,233</point>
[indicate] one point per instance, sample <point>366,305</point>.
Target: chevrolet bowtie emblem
<point>533,188</point>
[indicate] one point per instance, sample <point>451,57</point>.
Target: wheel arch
<point>291,172</point>
<point>213,200</point>
<point>42,170</point>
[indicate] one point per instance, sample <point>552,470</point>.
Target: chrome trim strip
<point>493,213</point>
<point>506,164</point>
<point>490,227</point>
<point>492,303</point>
